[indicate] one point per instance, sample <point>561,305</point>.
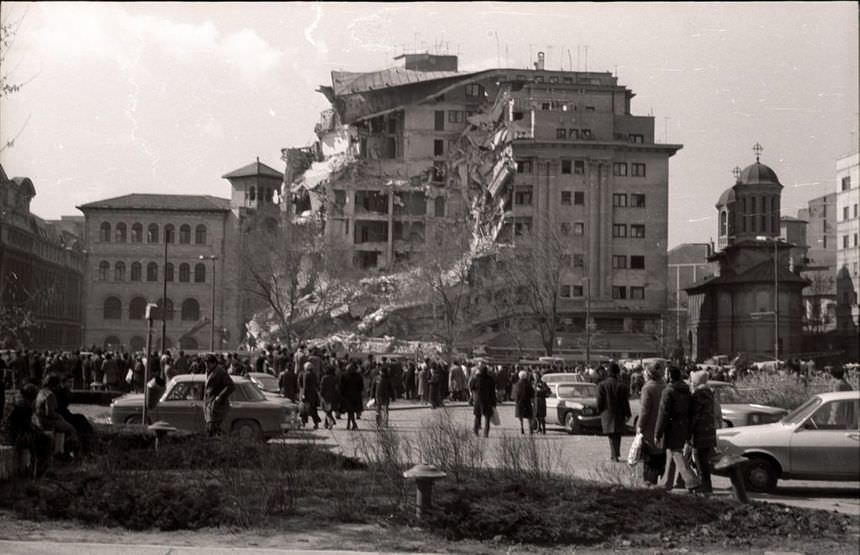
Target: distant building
<point>820,216</point>
<point>41,271</point>
<point>819,268</point>
<point>688,264</point>
<point>405,152</point>
<point>739,310</point>
<point>138,243</point>
<point>848,231</point>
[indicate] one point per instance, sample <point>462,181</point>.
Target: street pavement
<point>582,456</point>
<point>8,547</point>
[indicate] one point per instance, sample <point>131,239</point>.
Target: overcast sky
<point>160,98</point>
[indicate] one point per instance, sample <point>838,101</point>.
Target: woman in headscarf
<point>542,391</point>
<point>523,398</point>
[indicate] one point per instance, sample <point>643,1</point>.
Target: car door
<point>182,406</point>
<point>827,444</point>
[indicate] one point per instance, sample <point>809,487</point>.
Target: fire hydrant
<point>424,476</point>
<point>734,466</point>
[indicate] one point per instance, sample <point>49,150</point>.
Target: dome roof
<point>727,197</point>
<point>758,174</point>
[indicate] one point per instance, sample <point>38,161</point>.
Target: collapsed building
<point>406,152</point>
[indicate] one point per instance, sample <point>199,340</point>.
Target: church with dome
<point>753,304</point>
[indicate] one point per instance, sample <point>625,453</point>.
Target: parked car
<point>252,415</point>
<point>738,412</point>
<point>266,382</point>
<point>819,440</point>
<point>561,377</point>
<point>573,405</point>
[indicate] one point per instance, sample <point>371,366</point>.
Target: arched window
<point>199,273</point>
<point>137,309</point>
<point>188,343</point>
<point>120,236</point>
<point>104,232</point>
<point>184,273</point>
<point>185,234</point>
<point>135,271</point>
<point>252,193</point>
<point>152,272</point>
<point>169,233</point>
<point>724,219</point>
<point>136,233</point>
<point>112,343</point>
<point>167,305</point>
<point>137,344</point>
<point>119,271</point>
<point>190,310</point>
<point>104,268</point>
<point>112,309</point>
<point>152,233</point>
<point>200,234</point>
<point>168,272</point>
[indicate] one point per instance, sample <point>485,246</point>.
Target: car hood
<point>745,408</point>
<point>760,429</point>
<point>128,400</point>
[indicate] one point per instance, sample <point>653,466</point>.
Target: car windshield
<point>799,414</point>
<point>577,391</point>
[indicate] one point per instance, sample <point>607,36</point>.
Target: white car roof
<point>202,378</point>
<point>839,395</point>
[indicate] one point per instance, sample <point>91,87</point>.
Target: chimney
<point>540,62</point>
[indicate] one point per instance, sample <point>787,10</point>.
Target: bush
<point>450,445</point>
<point>776,390</point>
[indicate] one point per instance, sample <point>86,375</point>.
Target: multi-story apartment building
<point>819,297</point>
<point>848,234</point>
<point>407,152</point>
<point>41,272</point>
<point>140,245</point>
<point>820,216</point>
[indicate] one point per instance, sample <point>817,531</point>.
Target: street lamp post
<point>587,323</point>
<point>213,258</point>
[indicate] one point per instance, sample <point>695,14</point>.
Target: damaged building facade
<point>406,152</point>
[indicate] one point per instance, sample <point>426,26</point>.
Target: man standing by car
<point>613,403</point>
<point>216,396</point>
<point>673,428</point>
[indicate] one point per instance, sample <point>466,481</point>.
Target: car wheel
<point>760,475</point>
<point>247,430</point>
<point>571,424</point>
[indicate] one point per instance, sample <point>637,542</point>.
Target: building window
<point>522,228</point>
<point>578,261</point>
<point>638,170</point>
<point>120,236</point>
<point>637,200</point>
<point>104,268</point>
<point>165,309</point>
<point>619,262</point>
<point>573,134</point>
<point>564,292</point>
<point>585,133</point>
<point>637,231</point>
<point>635,138</point>
<point>619,169</point>
<point>523,196</point>
<point>440,120</point>
<point>152,272</point>
<point>524,166</point>
<point>846,183</point>
<point>439,207</point>
<point>456,116</point>
<point>190,310</point>
<point>577,291</point>
<point>561,133</point>
<point>637,293</point>
<point>855,210</point>
<point>619,292</point>
<point>169,233</point>
<point>566,166</point>
<point>637,262</point>
<point>578,228</point>
<point>565,228</point>
<point>152,233</point>
<point>579,198</point>
<point>104,232</point>
<point>619,230</point>
<point>439,171</point>
<point>579,167</point>
<point>517,116</point>
<point>200,235</point>
<point>136,233</point>
<point>566,260</point>
<point>619,200</point>
<point>855,239</point>
<point>438,147</point>
<point>566,197</point>
<point>199,273</point>
<point>185,234</point>
<point>137,309</point>
<point>168,272</point>
<point>184,273</point>
<point>845,213</point>
<point>474,90</point>
<point>119,271</point>
<point>135,271</point>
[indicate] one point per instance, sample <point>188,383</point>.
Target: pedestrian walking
<point>653,454</point>
<point>613,404</point>
<point>328,396</point>
<point>542,391</point>
<point>351,386</point>
<point>524,395</point>
<point>673,429</point>
<point>309,394</point>
<point>216,396</point>
<point>383,394</point>
<point>435,382</point>
<point>703,427</point>
<point>483,388</point>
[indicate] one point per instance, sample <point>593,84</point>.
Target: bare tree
<point>8,85</point>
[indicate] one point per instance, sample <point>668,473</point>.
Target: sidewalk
<point>9,547</point>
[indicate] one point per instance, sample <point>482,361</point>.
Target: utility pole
<point>163,302</point>
<point>775,299</point>
<point>213,258</point>
<point>587,323</point>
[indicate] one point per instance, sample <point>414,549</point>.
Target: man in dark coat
<point>613,403</point>
<point>703,426</point>
<point>216,395</point>
<point>288,383</point>
<point>483,388</point>
<point>654,455</point>
<point>673,429</point>
<point>351,386</point>
<point>382,390</point>
<point>524,395</point>
<point>309,394</point>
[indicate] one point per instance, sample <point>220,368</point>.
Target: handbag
<point>495,417</point>
<point>635,453</point>
<point>371,403</point>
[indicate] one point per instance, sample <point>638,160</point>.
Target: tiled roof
<point>138,201</point>
<point>346,82</point>
<point>760,273</point>
<point>254,169</point>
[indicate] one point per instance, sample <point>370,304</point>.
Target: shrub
<point>528,457</point>
<point>448,444</point>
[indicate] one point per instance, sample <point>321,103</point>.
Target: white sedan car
<point>819,440</point>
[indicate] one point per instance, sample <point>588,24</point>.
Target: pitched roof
<point>139,201</point>
<point>347,82</point>
<point>254,169</point>
<point>760,273</point>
